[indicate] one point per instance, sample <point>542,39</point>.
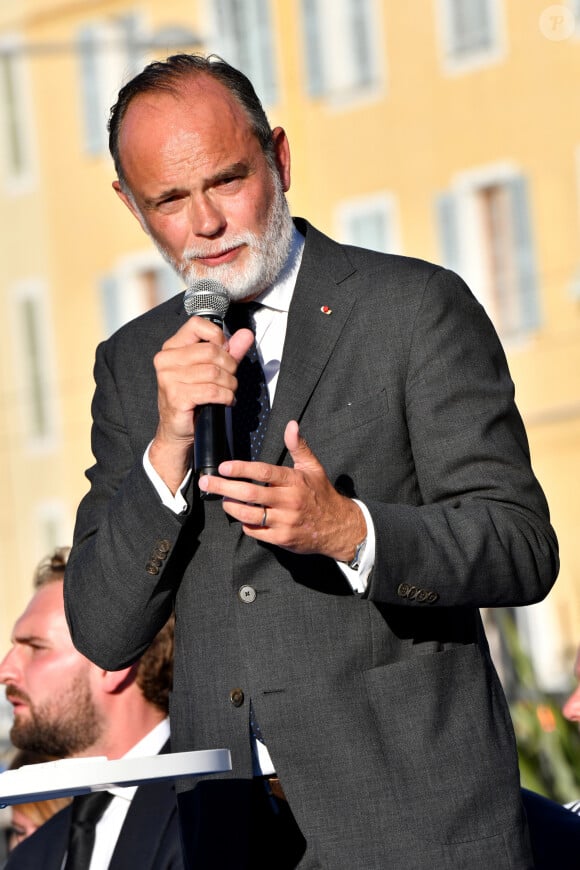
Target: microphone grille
<point>206,297</point>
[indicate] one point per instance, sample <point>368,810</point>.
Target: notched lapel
<point>321,305</point>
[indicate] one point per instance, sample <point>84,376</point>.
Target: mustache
<point>14,694</point>
<point>227,245</point>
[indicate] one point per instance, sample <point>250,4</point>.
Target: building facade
<point>443,129</point>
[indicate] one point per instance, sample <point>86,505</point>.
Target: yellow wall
<point>411,139</point>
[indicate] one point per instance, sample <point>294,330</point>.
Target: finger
<point>241,489</point>
<point>301,454</point>
<point>253,517</point>
<point>196,329</point>
<point>261,472</point>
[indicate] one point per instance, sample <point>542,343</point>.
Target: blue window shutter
<point>313,47</point>
<point>525,254</point>
<point>369,230</point>
<point>471,26</point>
<point>359,19</point>
<point>258,38</point>
<point>448,226</point>
<point>111,311</point>
<point>168,283</point>
<point>88,53</point>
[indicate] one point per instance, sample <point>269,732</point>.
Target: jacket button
<point>151,569</point>
<point>237,697</point>
<point>432,597</point>
<point>164,546</point>
<point>247,594</point>
<point>158,553</point>
<point>403,590</point>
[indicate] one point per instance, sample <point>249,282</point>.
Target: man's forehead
<point>44,613</point>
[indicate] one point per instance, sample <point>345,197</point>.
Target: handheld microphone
<point>209,299</point>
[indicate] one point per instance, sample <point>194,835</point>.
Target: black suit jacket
<point>149,838</point>
<point>374,707</point>
<point>554,832</point>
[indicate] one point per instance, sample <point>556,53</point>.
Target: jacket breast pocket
<point>345,420</point>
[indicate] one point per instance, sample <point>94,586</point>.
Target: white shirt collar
<point>279,295</point>
<point>151,744</point>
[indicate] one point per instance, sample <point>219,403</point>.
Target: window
<point>369,222</point>
<point>51,525</point>
<point>35,362</point>
<point>138,283</point>
<point>341,46</point>
<point>109,55</point>
<point>15,115</point>
<point>486,236</point>
<point>470,31</point>
<point>242,35</point>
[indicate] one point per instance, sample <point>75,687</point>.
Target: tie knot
<point>88,808</point>
<point>242,314</point>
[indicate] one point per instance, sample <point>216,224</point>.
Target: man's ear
<point>282,154</point>
<point>113,682</point>
<point>128,200</point>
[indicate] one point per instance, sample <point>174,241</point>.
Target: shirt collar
<point>151,744</point>
<point>279,295</point>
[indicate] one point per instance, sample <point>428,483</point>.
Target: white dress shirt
<point>109,825</point>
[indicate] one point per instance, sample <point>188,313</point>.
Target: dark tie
<point>87,809</point>
<point>252,409</point>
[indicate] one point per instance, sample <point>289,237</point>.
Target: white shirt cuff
<point>175,503</point>
<point>359,578</point>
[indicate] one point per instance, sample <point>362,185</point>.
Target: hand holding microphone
<point>195,367</point>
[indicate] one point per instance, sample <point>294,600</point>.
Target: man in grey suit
<point>66,706</point>
<point>327,591</point>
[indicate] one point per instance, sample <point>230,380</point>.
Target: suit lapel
<point>145,826</point>
<point>318,313</point>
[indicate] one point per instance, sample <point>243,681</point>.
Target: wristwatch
<point>354,564</point>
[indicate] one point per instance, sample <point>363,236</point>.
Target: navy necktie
<point>252,409</point>
<point>87,809</point>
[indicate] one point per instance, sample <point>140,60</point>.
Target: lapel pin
<point>325,309</point>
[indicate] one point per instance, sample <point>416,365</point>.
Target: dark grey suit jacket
<point>149,838</point>
<point>383,713</point>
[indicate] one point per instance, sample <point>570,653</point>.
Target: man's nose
<point>571,708</point>
<point>206,217</point>
<point>8,668</point>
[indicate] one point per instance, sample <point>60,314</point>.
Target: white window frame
<point>471,263</point>
<point>40,379</point>
<point>112,67</point>
<point>52,514</point>
<point>256,55</point>
<point>458,64</point>
<point>383,203</point>
<point>574,287</point>
<point>340,84</point>
<point>127,285</point>
<point>23,180</point>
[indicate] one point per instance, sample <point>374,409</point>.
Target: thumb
<point>240,343</point>
<point>301,454</point>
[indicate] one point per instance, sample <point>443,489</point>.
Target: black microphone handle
<point>209,299</point>
<point>210,444</point>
